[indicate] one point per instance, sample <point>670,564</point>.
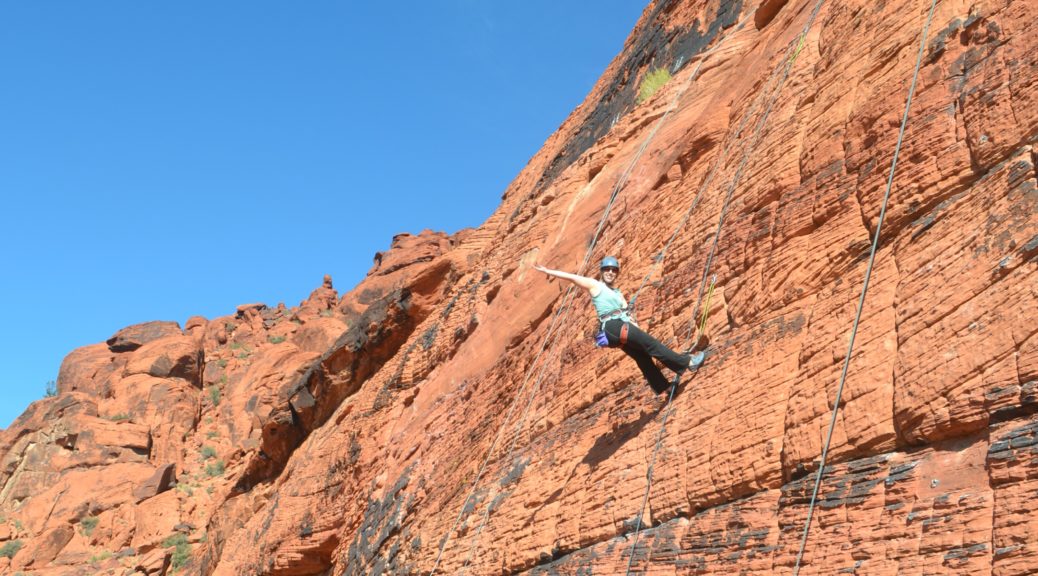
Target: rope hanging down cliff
<point>540,377</point>
<point>747,152</point>
<point>560,313</point>
<point>864,291</point>
<point>519,427</point>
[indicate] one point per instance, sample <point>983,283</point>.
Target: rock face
<point>451,413</point>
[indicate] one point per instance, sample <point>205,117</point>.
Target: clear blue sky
<point>164,159</point>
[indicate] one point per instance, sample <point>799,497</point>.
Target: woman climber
<point>621,330</point>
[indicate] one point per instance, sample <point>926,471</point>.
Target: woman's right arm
<point>589,284</point>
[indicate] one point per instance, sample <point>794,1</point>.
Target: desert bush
<point>652,82</point>
<point>9,549</point>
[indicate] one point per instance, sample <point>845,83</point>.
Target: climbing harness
<point>706,269</point>
<point>602,339</point>
<point>864,290</point>
<point>618,313</point>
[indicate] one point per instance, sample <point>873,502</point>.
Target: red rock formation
<point>452,401</point>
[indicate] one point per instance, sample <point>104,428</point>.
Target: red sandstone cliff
<point>450,402</point>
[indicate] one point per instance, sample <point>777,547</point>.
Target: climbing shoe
<point>697,360</point>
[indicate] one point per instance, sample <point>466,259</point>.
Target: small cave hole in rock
<point>766,12</point>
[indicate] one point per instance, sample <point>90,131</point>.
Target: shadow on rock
<point>607,444</point>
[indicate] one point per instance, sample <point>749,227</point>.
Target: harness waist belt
<point>619,313</point>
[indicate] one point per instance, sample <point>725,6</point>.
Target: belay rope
<point>747,151</point>
<point>562,310</point>
<point>864,290</point>
<point>620,183</point>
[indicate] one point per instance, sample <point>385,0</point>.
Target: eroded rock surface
<point>452,413</point>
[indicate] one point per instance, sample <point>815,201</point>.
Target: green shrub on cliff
<point>9,549</point>
<point>652,82</point>
<point>104,555</point>
<point>88,524</point>
<point>180,557</point>
<point>215,469</point>
<point>181,549</point>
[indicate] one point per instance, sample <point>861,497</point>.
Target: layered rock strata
<point>452,413</point>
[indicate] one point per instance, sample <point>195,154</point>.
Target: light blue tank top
<point>609,300</point>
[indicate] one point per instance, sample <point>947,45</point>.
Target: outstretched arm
<point>589,284</point>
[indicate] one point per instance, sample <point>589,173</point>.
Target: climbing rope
<point>620,184</point>
<point>719,160</point>
<point>706,308</point>
<point>559,313</point>
<point>747,152</point>
<point>652,466</point>
<point>659,258</point>
<point>493,445</point>
<point>864,290</point>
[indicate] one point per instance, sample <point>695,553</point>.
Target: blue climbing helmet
<point>609,262</point>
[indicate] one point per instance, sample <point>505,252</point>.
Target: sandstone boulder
<point>77,493</point>
<point>249,311</point>
<point>154,562</point>
<point>85,369</point>
<point>409,250</point>
<point>163,479</point>
<point>47,546</point>
<point>117,433</point>
<point>318,333</point>
<point>168,357</point>
<point>156,520</point>
<point>195,325</point>
<point>133,337</point>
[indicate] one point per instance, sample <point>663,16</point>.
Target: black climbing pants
<point>643,348</point>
